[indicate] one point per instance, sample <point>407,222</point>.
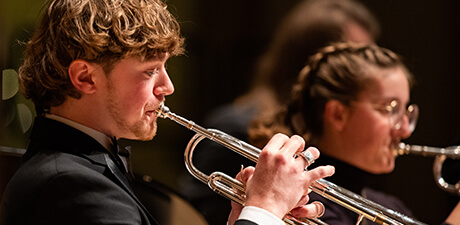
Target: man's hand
<point>279,183</point>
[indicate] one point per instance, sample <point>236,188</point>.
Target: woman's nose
<point>402,129</point>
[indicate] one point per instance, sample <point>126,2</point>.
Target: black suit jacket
<point>245,222</point>
<point>67,177</point>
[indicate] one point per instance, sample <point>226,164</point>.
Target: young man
<point>95,70</point>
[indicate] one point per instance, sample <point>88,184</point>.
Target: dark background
<point>223,41</point>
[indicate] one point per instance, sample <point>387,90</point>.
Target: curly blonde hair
<point>337,72</point>
<point>98,31</point>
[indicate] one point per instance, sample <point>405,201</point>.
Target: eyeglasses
<point>396,114</point>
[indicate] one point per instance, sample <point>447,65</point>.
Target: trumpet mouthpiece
<point>162,111</point>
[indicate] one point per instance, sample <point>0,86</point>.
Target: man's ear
<point>82,77</point>
<point>336,114</point>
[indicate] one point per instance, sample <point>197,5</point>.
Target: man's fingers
<point>312,210</point>
<point>308,155</point>
<point>276,142</point>
<point>314,151</point>
<point>293,145</point>
<point>303,200</point>
<point>320,172</point>
<point>245,174</point>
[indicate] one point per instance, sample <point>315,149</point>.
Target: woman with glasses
<point>351,101</point>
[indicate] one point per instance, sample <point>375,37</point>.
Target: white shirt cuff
<point>260,216</point>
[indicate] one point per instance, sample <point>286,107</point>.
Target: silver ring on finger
<point>308,156</point>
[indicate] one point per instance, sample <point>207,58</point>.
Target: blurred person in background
<point>352,102</point>
<point>310,25</point>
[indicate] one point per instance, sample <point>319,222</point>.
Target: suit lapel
<point>122,181</point>
<point>53,135</point>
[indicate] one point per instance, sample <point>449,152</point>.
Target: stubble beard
<point>143,131</point>
<point>140,130</point>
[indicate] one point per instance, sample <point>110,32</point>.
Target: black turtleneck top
<point>357,181</point>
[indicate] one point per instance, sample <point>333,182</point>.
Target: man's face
<point>134,90</point>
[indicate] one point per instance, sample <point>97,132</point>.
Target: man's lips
<point>151,113</point>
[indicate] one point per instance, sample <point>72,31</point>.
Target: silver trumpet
<point>234,190</point>
<point>440,154</point>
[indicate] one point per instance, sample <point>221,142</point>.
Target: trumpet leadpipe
<point>362,206</point>
<point>452,152</point>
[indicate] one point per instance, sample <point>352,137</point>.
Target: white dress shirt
<point>260,216</point>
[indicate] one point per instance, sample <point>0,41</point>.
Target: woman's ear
<point>82,77</point>
<point>336,114</point>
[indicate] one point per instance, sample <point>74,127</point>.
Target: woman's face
<point>368,136</point>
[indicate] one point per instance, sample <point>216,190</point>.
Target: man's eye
<point>152,72</point>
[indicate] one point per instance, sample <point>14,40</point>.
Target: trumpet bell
<point>440,154</point>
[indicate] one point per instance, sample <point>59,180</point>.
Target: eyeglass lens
<point>397,118</point>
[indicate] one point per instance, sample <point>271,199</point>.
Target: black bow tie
<point>121,155</point>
